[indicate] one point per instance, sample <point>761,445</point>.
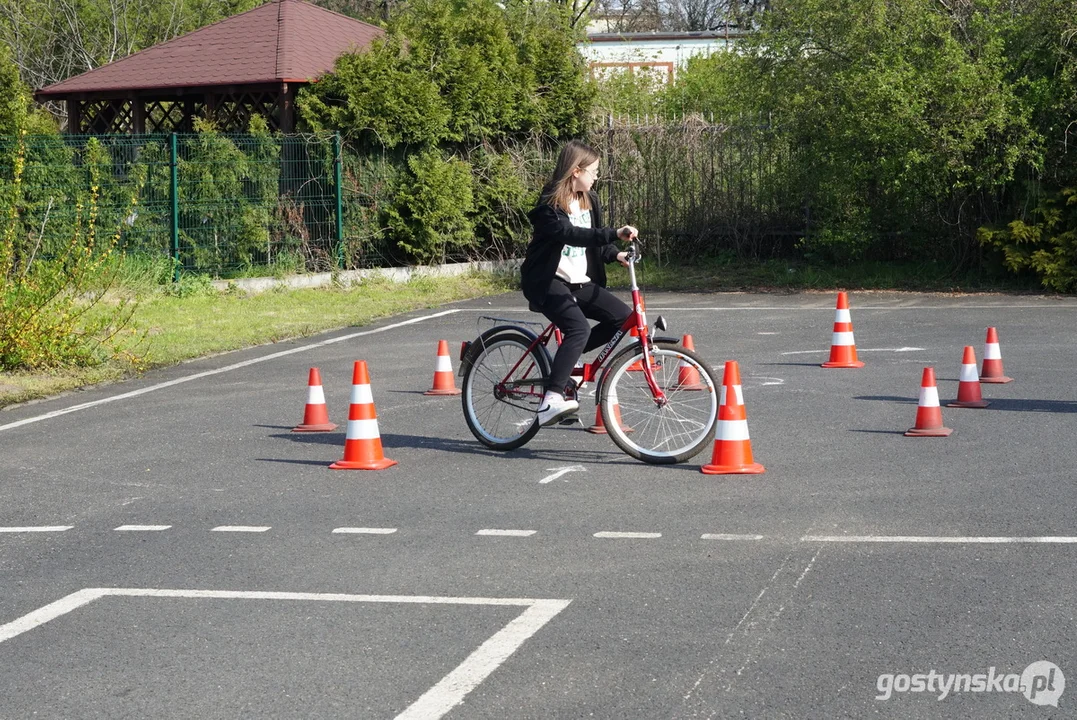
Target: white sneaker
<point>555,407</point>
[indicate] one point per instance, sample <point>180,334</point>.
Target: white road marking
<point>449,692</point>
<point>141,528</point>
<point>38,529</point>
<point>508,533</point>
<point>562,471</point>
<point>767,333</point>
<point>729,536</point>
<point>364,531</point>
<point>628,535</point>
<point>218,371</point>
<point>241,528</point>
<point>1062,540</point>
<point>859,350</point>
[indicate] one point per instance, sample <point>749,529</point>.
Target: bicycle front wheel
<point>501,390</point>
<point>667,433</point>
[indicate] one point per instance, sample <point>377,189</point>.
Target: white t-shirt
<point>573,264</point>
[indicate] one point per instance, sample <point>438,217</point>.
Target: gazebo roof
<point>281,41</point>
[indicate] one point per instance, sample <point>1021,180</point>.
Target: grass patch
<point>177,327</point>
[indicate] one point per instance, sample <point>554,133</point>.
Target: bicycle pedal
<point>569,420</point>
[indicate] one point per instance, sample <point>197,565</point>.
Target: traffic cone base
<point>361,465</point>
<point>315,414</point>
<point>444,384</point>
<point>362,447</point>
<point>317,427</point>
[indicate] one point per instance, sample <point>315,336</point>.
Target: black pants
<point>568,307</point>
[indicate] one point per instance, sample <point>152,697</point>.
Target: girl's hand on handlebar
<point>627,233</point>
<point>622,257</point>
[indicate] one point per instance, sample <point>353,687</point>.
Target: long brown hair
<point>558,191</point>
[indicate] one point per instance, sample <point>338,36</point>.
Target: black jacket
<point>552,231</point>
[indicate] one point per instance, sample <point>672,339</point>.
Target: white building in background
<point>658,53</point>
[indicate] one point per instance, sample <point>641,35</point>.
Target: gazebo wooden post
<point>74,116</point>
<point>286,104</point>
<point>138,115</point>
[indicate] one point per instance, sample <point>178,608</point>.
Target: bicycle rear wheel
<point>502,387</point>
<point>653,433</point>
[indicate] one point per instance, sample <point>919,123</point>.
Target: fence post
<point>338,182</point>
<point>175,209</point>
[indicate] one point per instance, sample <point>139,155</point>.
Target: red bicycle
<point>659,401</point>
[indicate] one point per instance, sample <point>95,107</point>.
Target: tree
<point>51,40</point>
<point>460,71</point>
<point>895,112</point>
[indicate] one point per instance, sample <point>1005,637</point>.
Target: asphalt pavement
<point>170,549</point>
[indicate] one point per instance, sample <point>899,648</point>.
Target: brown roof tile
<point>283,40</point>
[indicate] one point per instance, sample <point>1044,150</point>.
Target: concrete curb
<point>347,278</point>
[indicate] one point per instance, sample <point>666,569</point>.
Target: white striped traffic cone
<point>362,448</point>
<point>444,384</point>
<point>928,412</point>
<point>992,367</point>
<point>315,414</point>
<point>968,389</point>
<point>842,344</point>
<point>732,446</point>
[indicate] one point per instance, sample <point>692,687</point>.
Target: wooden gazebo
<point>250,63</point>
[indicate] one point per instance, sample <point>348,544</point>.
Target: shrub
<point>1047,248</point>
<point>429,216</point>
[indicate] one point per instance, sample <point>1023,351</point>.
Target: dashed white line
<point>507,533</point>
<point>241,528</point>
<point>363,531</point>
<point>1063,540</point>
<point>628,535</point>
<point>729,536</point>
<point>141,528</point>
<point>37,529</point>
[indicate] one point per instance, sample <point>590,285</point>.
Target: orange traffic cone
<point>599,428</point>
<point>842,345</point>
<point>928,412</point>
<point>732,447</point>
<point>687,376</point>
<point>968,390</point>
<point>443,378</point>
<point>315,415</point>
<point>992,367</point>
<point>362,448</point>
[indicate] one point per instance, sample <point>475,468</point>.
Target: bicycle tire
<point>503,420</point>
<point>660,435</point>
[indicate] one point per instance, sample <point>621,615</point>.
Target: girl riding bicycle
<point>564,274</point>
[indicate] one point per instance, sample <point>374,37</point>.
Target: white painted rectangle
<point>436,702</point>
<point>363,531</point>
<point>241,528</point>
<point>37,529</point>
<point>628,535</point>
<point>141,528</point>
<point>729,536</point>
<point>1062,540</point>
<point>507,533</point>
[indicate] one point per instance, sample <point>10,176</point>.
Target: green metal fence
<point>211,203</point>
